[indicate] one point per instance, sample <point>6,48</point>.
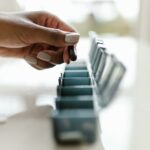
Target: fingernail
<point>44,56</point>
<point>31,60</point>
<point>72,37</point>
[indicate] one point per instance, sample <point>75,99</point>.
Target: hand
<point>41,38</point>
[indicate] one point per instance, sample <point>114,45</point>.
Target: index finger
<point>48,19</point>
<point>56,22</point>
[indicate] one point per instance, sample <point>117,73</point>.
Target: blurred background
<point>103,16</point>
<point>124,27</point>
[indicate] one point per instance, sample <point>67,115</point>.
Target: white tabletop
<point>32,130</point>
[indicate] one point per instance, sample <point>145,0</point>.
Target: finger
<point>55,22</point>
<point>66,57</point>
<point>51,56</point>
<point>38,64</point>
<point>48,19</point>
<point>41,67</point>
<point>31,58</point>
<point>49,29</point>
<point>51,36</point>
<point>44,65</point>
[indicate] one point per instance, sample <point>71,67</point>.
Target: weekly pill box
<point>75,125</point>
<point>70,81</point>
<point>76,73</point>
<point>76,67</point>
<point>75,90</point>
<point>75,102</point>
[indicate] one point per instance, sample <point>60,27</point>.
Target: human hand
<point>41,38</point>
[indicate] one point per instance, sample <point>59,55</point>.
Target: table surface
<point>27,98</point>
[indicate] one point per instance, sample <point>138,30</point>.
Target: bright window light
<point>128,8</point>
<point>76,10</point>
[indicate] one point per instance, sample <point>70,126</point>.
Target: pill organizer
<point>85,87</point>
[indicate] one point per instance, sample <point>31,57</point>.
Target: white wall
<point>9,5</point>
<point>141,117</point>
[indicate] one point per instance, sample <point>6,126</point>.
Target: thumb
<point>54,37</point>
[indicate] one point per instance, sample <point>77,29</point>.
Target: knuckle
<point>56,18</point>
<point>43,13</point>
